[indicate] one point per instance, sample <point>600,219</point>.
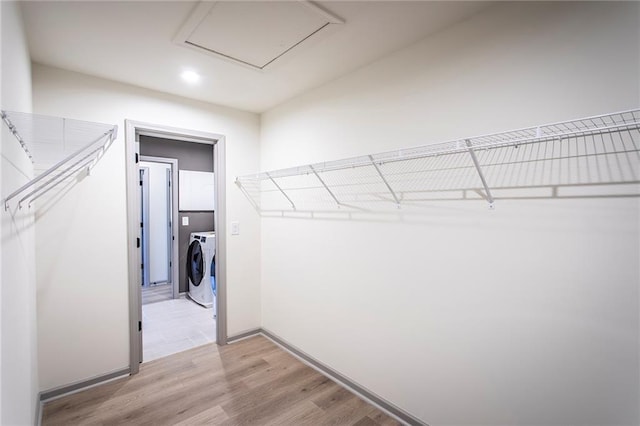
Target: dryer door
<point>195,267</point>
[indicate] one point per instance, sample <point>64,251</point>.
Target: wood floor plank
<point>273,407</point>
<point>348,411</point>
<point>258,395</point>
<point>383,419</point>
<point>366,421</point>
<point>272,373</point>
<point>302,413</point>
<point>339,395</point>
<point>249,382</point>
<point>126,393</point>
<point>211,416</point>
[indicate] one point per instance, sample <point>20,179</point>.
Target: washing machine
<point>201,268</point>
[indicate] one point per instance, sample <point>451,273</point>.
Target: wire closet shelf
<point>593,151</point>
<point>59,148</point>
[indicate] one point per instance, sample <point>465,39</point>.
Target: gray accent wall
<point>190,156</point>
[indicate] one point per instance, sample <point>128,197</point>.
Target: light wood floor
<point>250,382</point>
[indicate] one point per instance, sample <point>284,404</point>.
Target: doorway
<point>158,213</point>
<point>135,131</point>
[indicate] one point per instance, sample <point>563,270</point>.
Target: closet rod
<point>55,167</point>
<point>57,178</point>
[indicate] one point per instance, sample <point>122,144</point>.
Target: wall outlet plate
<point>185,220</point>
<point>235,228</point>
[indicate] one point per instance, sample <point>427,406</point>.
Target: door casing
<point>133,129</point>
<point>175,282</point>
<point>144,218</point>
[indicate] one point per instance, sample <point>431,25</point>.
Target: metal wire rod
<point>373,163</point>
<point>86,164</point>
<point>283,193</point>
<point>56,178</point>
<point>90,162</point>
<point>246,194</point>
<point>325,185</point>
<point>54,168</point>
<point>479,170</point>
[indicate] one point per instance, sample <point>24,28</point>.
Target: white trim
<point>175,267</point>
<point>59,392</point>
<point>144,237</point>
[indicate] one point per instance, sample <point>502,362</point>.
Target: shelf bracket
<point>246,194</point>
<point>325,186</point>
<point>280,189</point>
<point>39,191</point>
<point>395,197</point>
<point>15,133</point>
<point>479,170</point>
<point>110,137</point>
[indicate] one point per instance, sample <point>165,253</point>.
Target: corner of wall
<point>18,336</point>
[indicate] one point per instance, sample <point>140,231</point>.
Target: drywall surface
<point>455,313</point>
<point>81,246</point>
<point>19,372</point>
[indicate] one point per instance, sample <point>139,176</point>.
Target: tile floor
<point>156,293</point>
<point>174,326</point>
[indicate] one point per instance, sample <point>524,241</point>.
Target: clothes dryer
<point>201,268</point>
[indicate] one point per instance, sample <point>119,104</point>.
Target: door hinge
<point>139,325</point>
<point>142,266</point>
<point>137,242</point>
<point>140,183</point>
<point>141,225</point>
<point>136,158</point>
<point>169,264</point>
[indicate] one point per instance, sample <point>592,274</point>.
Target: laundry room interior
<point>178,210</point>
<point>320,212</point>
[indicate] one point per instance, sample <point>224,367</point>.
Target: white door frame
<point>175,284</point>
<point>133,129</point>
<point>144,218</point>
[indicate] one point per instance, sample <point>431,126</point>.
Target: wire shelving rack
<point>589,152</point>
<point>59,148</point>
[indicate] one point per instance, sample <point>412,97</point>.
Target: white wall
<point>81,245</point>
<point>19,374</point>
<point>523,315</point>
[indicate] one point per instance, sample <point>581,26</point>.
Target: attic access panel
<point>253,33</point>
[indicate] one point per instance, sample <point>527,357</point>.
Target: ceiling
<point>250,55</point>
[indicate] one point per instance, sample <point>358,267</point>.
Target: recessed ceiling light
<point>190,77</point>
